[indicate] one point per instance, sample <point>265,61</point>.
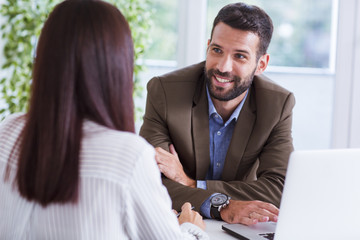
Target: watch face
<point>219,199</point>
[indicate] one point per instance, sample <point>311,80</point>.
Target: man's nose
<point>225,64</point>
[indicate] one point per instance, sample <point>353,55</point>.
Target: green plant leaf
<point>22,26</point>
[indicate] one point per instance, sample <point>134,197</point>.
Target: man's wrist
<point>218,202</point>
<point>191,183</point>
<point>188,182</point>
<point>205,207</point>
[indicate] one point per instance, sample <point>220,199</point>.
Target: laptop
<point>321,199</point>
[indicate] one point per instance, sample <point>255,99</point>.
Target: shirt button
<point>218,164</point>
<point>218,133</point>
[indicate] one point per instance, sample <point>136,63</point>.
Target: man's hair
<point>247,18</point>
<point>83,70</point>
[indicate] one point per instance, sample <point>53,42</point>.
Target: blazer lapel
<point>240,138</point>
<point>200,130</point>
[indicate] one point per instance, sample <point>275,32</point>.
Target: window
<point>302,34</point>
<point>164,32</point>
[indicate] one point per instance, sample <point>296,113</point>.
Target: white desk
<point>213,228</point>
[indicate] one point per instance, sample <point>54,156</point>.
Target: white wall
<point>346,117</point>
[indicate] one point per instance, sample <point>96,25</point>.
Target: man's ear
<point>262,64</point>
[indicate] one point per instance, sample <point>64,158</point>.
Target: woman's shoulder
<point>10,129</point>
<point>12,125</point>
<point>13,119</point>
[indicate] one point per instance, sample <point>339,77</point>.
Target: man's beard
<point>240,85</point>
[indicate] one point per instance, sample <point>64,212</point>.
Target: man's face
<point>231,62</point>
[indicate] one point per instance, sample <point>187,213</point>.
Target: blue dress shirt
<point>220,137</point>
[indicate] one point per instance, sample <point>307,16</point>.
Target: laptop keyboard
<point>269,236</point>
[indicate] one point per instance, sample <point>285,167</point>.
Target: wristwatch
<point>217,202</point>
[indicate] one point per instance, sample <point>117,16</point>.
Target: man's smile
<point>222,80</point>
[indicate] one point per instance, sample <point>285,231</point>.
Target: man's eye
<point>239,56</point>
<point>217,50</point>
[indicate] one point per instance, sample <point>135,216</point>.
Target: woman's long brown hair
<point>83,69</point>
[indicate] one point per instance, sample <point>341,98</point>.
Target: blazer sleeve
<point>154,128</point>
<point>155,131</point>
<point>272,164</point>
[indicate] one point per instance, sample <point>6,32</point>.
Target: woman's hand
<point>191,216</point>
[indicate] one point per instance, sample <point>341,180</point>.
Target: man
<point>221,129</point>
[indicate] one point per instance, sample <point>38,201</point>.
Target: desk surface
<point>214,230</point>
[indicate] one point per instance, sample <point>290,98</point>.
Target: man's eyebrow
<point>215,45</point>
<point>242,51</point>
<point>237,50</point>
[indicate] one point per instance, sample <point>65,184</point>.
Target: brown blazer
<point>256,161</point>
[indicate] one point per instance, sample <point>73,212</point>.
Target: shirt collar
<point>234,115</point>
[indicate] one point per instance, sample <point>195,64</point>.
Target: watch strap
<point>215,213</point>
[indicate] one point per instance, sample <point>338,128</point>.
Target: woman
<point>72,166</point>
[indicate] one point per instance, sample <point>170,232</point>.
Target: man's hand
<point>249,212</point>
<point>169,164</point>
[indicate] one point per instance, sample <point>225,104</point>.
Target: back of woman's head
<point>83,69</point>
<point>84,63</point>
